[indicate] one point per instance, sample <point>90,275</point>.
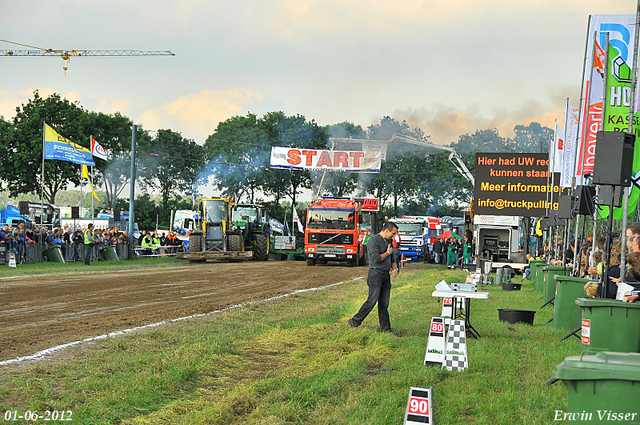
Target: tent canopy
<point>449,234</point>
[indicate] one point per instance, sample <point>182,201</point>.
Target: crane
<point>460,165</point>
<point>68,54</point>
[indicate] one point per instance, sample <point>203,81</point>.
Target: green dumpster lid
<point>553,268</point>
<point>603,366</point>
<point>573,279</point>
<point>605,302</point>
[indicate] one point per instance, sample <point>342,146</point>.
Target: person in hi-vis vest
<point>89,242</point>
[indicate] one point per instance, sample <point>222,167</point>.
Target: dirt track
<point>37,313</point>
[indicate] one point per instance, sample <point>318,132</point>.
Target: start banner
<point>316,159</point>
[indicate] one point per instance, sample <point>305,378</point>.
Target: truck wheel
<point>234,243</point>
<point>311,262</point>
<point>195,243</point>
<point>362,261</point>
<point>262,248</point>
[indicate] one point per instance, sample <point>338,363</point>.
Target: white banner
<point>315,159</point>
<point>571,134</point>
<point>557,151</point>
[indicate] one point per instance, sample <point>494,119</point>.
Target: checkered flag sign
<point>455,357</point>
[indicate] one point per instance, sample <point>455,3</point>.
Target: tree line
<point>235,160</point>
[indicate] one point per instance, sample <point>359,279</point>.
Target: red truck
<point>338,229</point>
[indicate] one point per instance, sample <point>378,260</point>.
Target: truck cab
<point>337,230</point>
<point>414,237</point>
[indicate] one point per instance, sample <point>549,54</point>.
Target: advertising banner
<point>514,184</point>
<point>621,35</point>
<point>57,147</point>
<point>616,118</point>
<point>315,159</point>
<point>571,135</point>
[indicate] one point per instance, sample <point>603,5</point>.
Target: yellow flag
<point>85,175</point>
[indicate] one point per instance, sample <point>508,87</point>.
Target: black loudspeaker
<point>614,158</point>
<point>116,215</point>
<point>23,206</point>
<point>565,206</point>
<point>544,223</point>
<point>75,212</point>
<point>606,192</point>
<point>585,200</point>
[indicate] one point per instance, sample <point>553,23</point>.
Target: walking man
<point>378,279</point>
<point>89,241</point>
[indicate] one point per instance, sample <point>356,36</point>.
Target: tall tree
<point>237,153</point>
<point>171,164</point>
<point>532,138</point>
<point>25,151</point>
<point>6,135</point>
<point>113,132</point>
<point>488,140</point>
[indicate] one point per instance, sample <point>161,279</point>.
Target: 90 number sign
<point>419,406</point>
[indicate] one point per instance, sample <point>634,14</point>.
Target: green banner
<point>616,118</point>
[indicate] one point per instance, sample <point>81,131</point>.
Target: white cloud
<point>198,114</point>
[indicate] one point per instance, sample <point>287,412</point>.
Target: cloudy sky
<point>449,67</point>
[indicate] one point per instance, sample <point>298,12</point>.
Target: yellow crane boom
<point>68,54</point>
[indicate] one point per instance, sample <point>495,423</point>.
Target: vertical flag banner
<point>296,219</point>
<point>571,135</point>
<point>57,147</point>
<point>621,30</point>
<point>555,164</point>
<point>97,150</point>
<point>85,175</point>
<point>616,118</point>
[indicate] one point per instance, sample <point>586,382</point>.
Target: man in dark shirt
<point>379,282</point>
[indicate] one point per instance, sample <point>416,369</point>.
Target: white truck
<point>184,222</point>
<point>414,237</point>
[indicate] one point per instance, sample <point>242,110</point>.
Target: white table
<point>468,296</point>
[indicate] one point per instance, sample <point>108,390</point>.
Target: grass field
<point>296,361</point>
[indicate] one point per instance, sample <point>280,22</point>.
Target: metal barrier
<point>32,252</point>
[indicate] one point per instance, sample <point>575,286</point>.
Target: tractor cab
<point>214,223</point>
<point>249,221</point>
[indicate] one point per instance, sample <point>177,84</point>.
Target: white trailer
<point>498,237</point>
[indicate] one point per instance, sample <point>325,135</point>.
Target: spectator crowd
<point>28,240</point>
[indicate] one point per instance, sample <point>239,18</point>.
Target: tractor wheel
<point>234,243</point>
<point>311,262</point>
<point>195,243</point>
<point>262,248</point>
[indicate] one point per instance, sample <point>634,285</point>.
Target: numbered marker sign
<point>437,328</point>
<point>419,406</point>
<point>586,331</point>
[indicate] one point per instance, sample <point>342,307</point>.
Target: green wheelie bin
<point>566,313</point>
<point>609,325</point>
<point>536,273</point>
<point>53,254</point>
<point>549,283</point>
<point>604,388</point>
<point>109,253</point>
